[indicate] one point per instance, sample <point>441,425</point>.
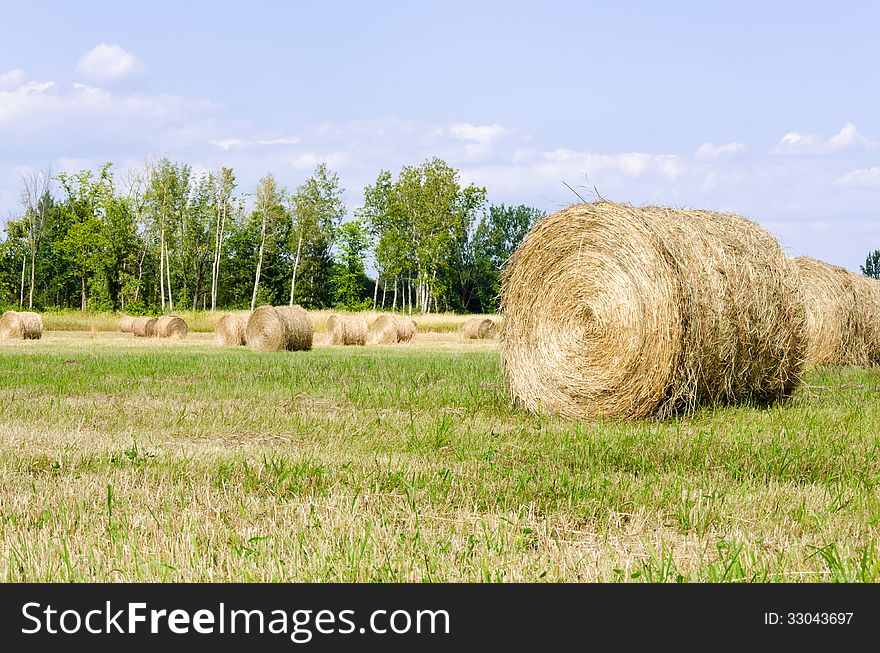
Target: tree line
<point>163,237</point>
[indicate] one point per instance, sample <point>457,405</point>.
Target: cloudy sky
<point>770,111</point>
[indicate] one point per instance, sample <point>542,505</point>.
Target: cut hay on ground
<point>479,328</point>
<point>346,330</point>
<point>867,310</point>
<point>144,327</point>
<point>171,326</point>
<point>618,311</point>
<point>230,329</point>
<point>833,334</point>
<point>125,323</point>
<point>389,329</point>
<point>279,328</point>
<point>21,325</point>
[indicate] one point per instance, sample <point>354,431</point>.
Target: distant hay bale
<point>867,310</point>
<point>833,333</point>
<point>479,328</point>
<point>144,327</point>
<point>21,325</point>
<point>125,323</point>
<point>618,311</point>
<point>230,329</point>
<point>346,330</point>
<point>171,326</point>
<point>388,329</point>
<point>279,328</point>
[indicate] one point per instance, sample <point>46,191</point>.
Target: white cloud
<point>848,138</point>
<point>109,62</point>
<point>708,151</point>
<point>44,109</point>
<point>11,79</point>
<point>230,143</point>
<point>862,178</point>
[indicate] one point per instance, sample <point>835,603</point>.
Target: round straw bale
<point>21,325</point>
<point>390,329</point>
<point>144,327</point>
<point>829,293</point>
<point>479,328</point>
<point>279,328</point>
<point>867,310</point>
<point>171,326</point>
<point>346,330</point>
<point>230,329</point>
<point>125,323</point>
<point>616,311</point>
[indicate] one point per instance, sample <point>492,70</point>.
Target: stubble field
<point>128,459</point>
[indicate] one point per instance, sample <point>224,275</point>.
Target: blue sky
<point>767,109</point>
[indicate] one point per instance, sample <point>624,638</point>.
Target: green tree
<point>419,221</point>
<point>84,244</point>
<point>268,212</point>
<point>871,268</point>
<point>316,210</point>
<point>497,236</point>
<point>353,240</point>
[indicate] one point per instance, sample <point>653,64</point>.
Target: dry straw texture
<point>389,329</point>
<point>126,323</point>
<point>617,311</point>
<point>867,310</point>
<point>346,330</point>
<point>279,328</point>
<point>21,325</point>
<point>230,329</point>
<point>144,327</point>
<point>479,328</point>
<point>171,326</point>
<point>834,336</point>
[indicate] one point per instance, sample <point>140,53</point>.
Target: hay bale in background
<point>833,335</point>
<point>230,329</point>
<point>867,310</point>
<point>21,325</point>
<point>388,329</point>
<point>618,311</point>
<point>346,330</point>
<point>125,323</point>
<point>150,327</point>
<point>171,326</point>
<point>279,328</point>
<point>479,328</point>
<point>144,327</point>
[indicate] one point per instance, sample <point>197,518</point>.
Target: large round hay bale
<point>125,323</point>
<point>279,328</point>
<point>479,328</point>
<point>346,330</point>
<point>618,311</point>
<point>144,327</point>
<point>829,293</point>
<point>171,326</point>
<point>21,325</point>
<point>867,310</point>
<point>230,329</point>
<point>388,329</point>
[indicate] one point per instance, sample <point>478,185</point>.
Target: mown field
<point>128,459</point>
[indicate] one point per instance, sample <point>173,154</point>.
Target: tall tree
<point>223,187</point>
<point>871,268</point>
<point>497,236</point>
<point>37,200</point>
<point>268,208</point>
<point>353,241</point>
<point>316,209</point>
<point>85,242</point>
